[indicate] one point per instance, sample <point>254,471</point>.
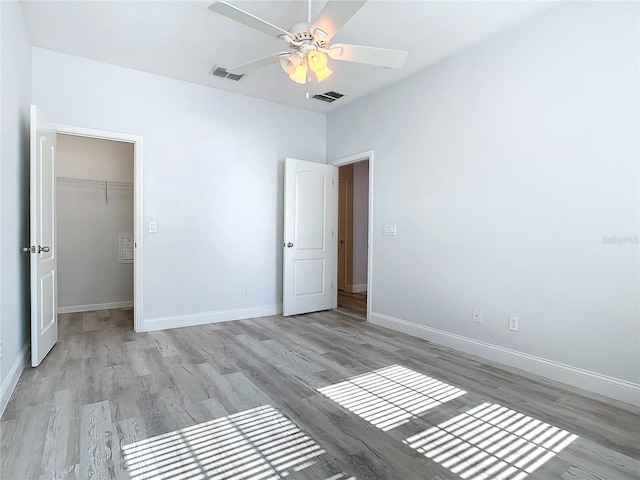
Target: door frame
<point>359,157</point>
<point>138,231</point>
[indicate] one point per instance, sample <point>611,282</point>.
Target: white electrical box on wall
<point>390,230</point>
<point>126,248</point>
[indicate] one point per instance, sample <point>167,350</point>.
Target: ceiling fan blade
<point>257,64</point>
<point>382,57</point>
<point>234,13</point>
<point>333,16</point>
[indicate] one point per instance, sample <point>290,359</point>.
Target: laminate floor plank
<point>353,303</point>
<point>63,423</point>
<point>90,321</point>
<point>285,364</point>
<point>192,344</point>
<point>95,451</point>
<point>309,397</point>
<point>164,344</point>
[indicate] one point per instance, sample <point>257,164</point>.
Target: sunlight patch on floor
<point>255,444</point>
<point>491,442</point>
<point>390,396</point>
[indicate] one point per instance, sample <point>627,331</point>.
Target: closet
<point>94,207</point>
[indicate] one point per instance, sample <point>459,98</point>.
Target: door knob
<point>26,249</point>
<point>289,244</point>
<point>43,249</point>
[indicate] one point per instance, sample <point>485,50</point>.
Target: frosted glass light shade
<point>290,63</point>
<point>300,75</point>
<point>322,74</point>
<point>317,61</point>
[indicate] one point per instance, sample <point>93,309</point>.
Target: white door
<point>42,235</point>
<point>310,221</point>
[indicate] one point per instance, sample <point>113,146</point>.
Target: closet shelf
<point>90,181</point>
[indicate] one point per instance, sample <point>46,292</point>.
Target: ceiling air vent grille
<point>328,97</point>
<point>218,71</point>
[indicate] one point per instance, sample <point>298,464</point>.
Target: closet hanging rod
<point>94,182</point>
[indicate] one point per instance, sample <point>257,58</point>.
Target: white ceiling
<point>184,39</point>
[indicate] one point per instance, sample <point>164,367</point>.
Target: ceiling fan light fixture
<point>309,46</point>
<point>317,61</point>
<point>324,73</point>
<point>290,63</point>
<point>299,75</point>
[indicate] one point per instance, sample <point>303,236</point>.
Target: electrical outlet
<point>390,230</point>
<point>245,290</point>
<point>513,324</point>
<point>476,315</point>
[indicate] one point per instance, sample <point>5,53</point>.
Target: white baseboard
<point>9,384</point>
<point>162,323</point>
<point>594,382</point>
<point>356,288</point>
<point>95,306</point>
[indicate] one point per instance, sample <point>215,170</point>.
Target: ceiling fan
<point>310,43</point>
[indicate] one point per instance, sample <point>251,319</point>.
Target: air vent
<point>218,71</point>
<point>328,97</point>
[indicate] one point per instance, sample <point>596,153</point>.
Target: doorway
<point>353,236</point>
<point>99,204</point>
<point>94,216</point>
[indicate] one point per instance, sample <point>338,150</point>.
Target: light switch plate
<point>153,227</point>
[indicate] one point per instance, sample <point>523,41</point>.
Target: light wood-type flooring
<point>353,303</point>
<point>316,396</point>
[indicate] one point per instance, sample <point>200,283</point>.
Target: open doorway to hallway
<point>353,218</point>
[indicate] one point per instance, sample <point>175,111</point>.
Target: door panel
<point>310,276</point>
<point>310,210</point>
<point>42,235</point>
<point>309,237</point>
<point>47,302</point>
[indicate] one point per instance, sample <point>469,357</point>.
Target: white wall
<point>360,224</point>
<point>213,169</point>
<point>504,167</point>
<point>15,81</point>
<point>90,275</point>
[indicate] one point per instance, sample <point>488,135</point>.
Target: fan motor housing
<point>300,32</point>
<point>302,35</point>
